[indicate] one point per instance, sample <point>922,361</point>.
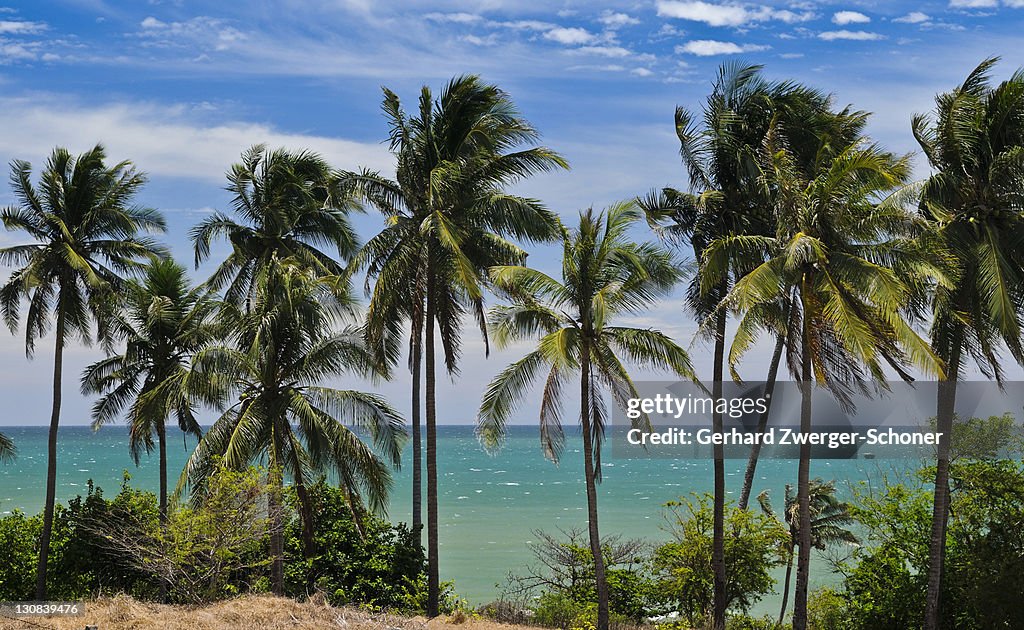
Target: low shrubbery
<point>213,550</point>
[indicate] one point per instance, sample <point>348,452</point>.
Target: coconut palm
<point>283,349</point>
<point>290,205</point>
<point>604,275</point>
<point>448,218</point>
<point>163,323</point>
<point>85,229</point>
<point>855,264</point>
<point>829,519</point>
<point>974,142</point>
<point>720,153</point>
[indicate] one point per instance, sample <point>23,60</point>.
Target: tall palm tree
<point>974,142</point>
<point>85,229</point>
<point>289,204</point>
<point>829,519</point>
<point>604,275</point>
<point>163,323</point>
<point>284,348</point>
<point>855,269</point>
<point>720,152</point>
<point>448,218</point>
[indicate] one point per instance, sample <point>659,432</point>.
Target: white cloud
<point>605,51</point>
<point>569,36</point>
<point>210,32</point>
<point>727,14</point>
<point>17,27</point>
<point>849,35</point>
<point>617,20</point>
<point>791,55</point>
<point>973,4</point>
<point>850,17</point>
<point>161,140</point>
<point>457,18</point>
<point>914,17</point>
<point>641,72</point>
<point>710,47</point>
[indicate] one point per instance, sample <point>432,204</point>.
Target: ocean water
<point>490,505</point>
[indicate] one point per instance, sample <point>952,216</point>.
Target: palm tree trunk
<point>946,409</point>
<point>762,422</point>
<point>161,434</point>
<point>51,457</point>
<point>785,587</point>
<point>276,533</point>
<point>417,446</point>
<point>433,575</point>
<point>803,488</point>
<point>718,540</point>
<point>590,478</point>
<point>306,514</point>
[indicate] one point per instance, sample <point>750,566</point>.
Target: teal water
<point>489,505</point>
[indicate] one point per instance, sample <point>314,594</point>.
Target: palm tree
<point>720,153</point>
<point>855,269</point>
<point>829,518</point>
<point>974,200</point>
<point>163,324</point>
<point>7,449</point>
<point>290,205</point>
<point>448,218</point>
<point>86,236</point>
<point>283,349</point>
<point>604,275</point>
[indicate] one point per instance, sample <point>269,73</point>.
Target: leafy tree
<point>448,220</point>
<point>163,323</point>
<point>830,518</point>
<point>604,275</point>
<point>289,204</point>
<point>283,349</point>
<point>855,263</point>
<point>755,544</point>
<point>85,229</point>
<point>974,143</point>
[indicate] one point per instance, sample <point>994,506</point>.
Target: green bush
<point>381,566</point>
<point>827,610</point>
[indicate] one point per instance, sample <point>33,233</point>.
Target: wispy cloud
<point>914,17</point>
<point>711,47</point>
<point>18,27</point>
<point>860,36</point>
<point>615,20</point>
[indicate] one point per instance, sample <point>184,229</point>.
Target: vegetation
<point>800,228</point>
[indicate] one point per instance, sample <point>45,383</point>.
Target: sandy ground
<point>245,613</point>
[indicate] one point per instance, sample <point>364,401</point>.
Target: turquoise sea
<point>489,505</point>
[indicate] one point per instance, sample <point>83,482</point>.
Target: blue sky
<point>182,87</point>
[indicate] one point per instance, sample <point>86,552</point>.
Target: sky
<point>182,87</point>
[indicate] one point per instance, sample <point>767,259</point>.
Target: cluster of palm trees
<point>802,230</point>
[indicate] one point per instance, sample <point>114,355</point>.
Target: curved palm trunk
<point>433,575</point>
<point>51,458</point>
<point>276,479</point>
<point>785,588</point>
<point>803,489</point>
<point>417,453</point>
<point>718,540</point>
<point>946,408</point>
<point>762,422</point>
<point>590,478</point>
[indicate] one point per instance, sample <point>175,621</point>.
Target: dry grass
<point>245,613</point>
